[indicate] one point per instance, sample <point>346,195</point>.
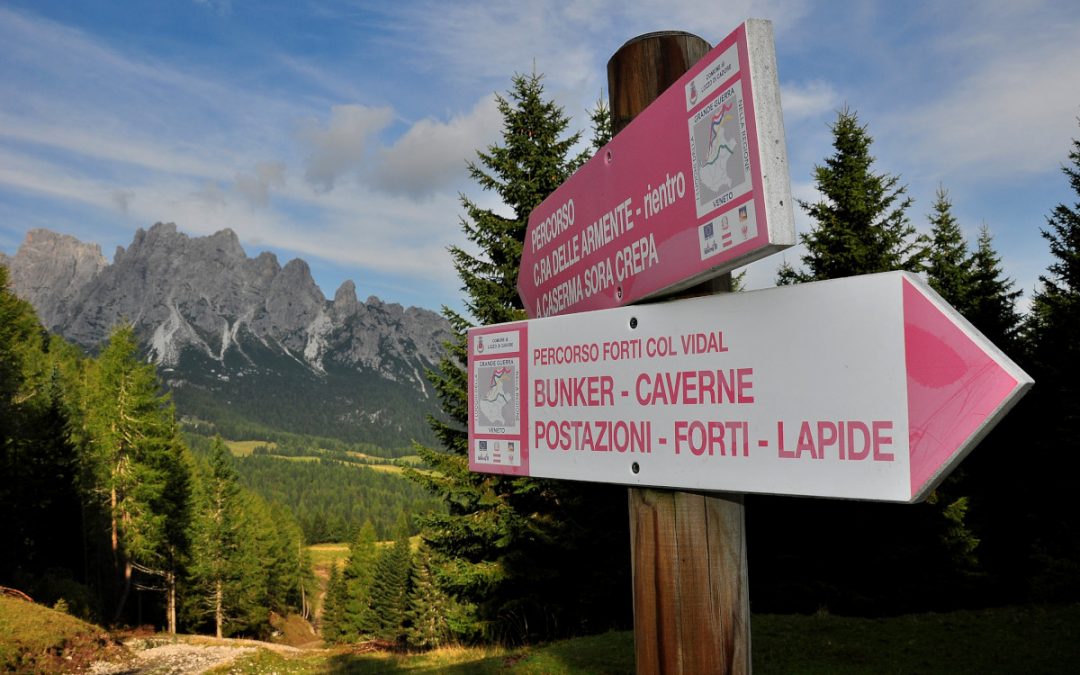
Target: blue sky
<point>338,131</point>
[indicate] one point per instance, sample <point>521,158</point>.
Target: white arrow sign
<point>869,387</point>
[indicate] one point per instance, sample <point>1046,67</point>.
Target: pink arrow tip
<point>956,387</point>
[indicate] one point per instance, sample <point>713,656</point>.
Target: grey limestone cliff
<point>210,315</point>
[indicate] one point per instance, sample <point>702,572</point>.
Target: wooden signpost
<point>863,388</point>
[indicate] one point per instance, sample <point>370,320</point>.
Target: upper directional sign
<point>869,387</point>
<point>695,186</point>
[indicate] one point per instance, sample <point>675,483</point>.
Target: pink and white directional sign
<point>695,186</point>
<point>870,387</point>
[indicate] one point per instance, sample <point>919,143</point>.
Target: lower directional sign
<point>868,387</point>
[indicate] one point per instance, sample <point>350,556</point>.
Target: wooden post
<point>688,549</point>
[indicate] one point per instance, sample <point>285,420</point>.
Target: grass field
<point>37,639</point>
<point>1038,639</point>
<point>1028,639</point>
<point>245,448</point>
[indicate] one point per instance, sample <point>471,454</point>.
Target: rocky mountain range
<point>242,342</point>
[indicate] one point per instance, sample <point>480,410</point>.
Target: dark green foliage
<point>974,285</point>
<point>992,304</point>
<point>390,590</point>
<point>38,492</point>
<point>430,610</point>
<point>98,493</point>
<point>249,557</point>
<point>333,614</point>
<point>860,224</point>
<point>1053,327</point>
<point>358,620</point>
<point>138,466</point>
<point>508,550</point>
<point>811,553</point>
<point>331,500</point>
<point>947,268</point>
<point>218,590</point>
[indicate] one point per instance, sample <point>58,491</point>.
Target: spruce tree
<point>430,608</point>
<point>860,223</point>
<point>1053,327</point>
<point>390,590</point>
<point>357,618</point>
<point>333,607</point>
<point>992,305</point>
<point>831,553</point>
<point>217,570</point>
<point>38,495</point>
<point>507,547</point>
<point>947,267</point>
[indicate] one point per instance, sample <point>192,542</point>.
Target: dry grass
<point>245,448</point>
<point>36,639</point>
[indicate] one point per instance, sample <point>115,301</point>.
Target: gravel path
<point>173,659</point>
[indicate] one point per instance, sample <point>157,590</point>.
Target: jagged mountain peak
<point>50,269</point>
<point>346,303</point>
<point>214,318</point>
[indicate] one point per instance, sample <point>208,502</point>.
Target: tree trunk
<point>123,594</point>
<point>170,589</point>
<point>219,607</point>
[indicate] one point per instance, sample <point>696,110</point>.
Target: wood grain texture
<point>644,67</point>
<point>691,606</point>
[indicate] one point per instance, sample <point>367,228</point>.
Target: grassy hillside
<point>1035,639</point>
<point>1032,639</point>
<point>34,639</point>
<point>1006,640</point>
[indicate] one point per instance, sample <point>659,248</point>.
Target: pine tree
<point>333,607</point>
<point>430,608</point>
<point>861,227</point>
<point>860,223</point>
<point>992,306</point>
<point>506,546</point>
<point>390,590</point>
<point>358,620</point>
<point>217,569</point>
<point>138,466</point>
<point>1053,327</point>
<point>947,269</point>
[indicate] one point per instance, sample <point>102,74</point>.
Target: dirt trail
<point>155,657</point>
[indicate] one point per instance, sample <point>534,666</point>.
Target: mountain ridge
<point>211,317</point>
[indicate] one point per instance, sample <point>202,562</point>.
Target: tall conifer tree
<point>507,547</point>
<point>139,469</point>
<point>1053,327</point>
<point>217,568</point>
<point>860,223</point>
<point>947,268</point>
<point>390,589</point>
<point>821,552</point>
<point>430,608</point>
<point>992,306</point>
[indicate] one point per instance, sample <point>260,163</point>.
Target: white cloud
<point>432,154</point>
<point>340,146</point>
<point>1013,108</point>
<point>255,186</point>
<point>21,172</point>
<point>808,99</point>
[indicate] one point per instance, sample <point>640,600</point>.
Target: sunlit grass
<point>245,448</point>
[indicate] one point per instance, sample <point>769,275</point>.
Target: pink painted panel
<point>676,197</point>
<point>954,386</point>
